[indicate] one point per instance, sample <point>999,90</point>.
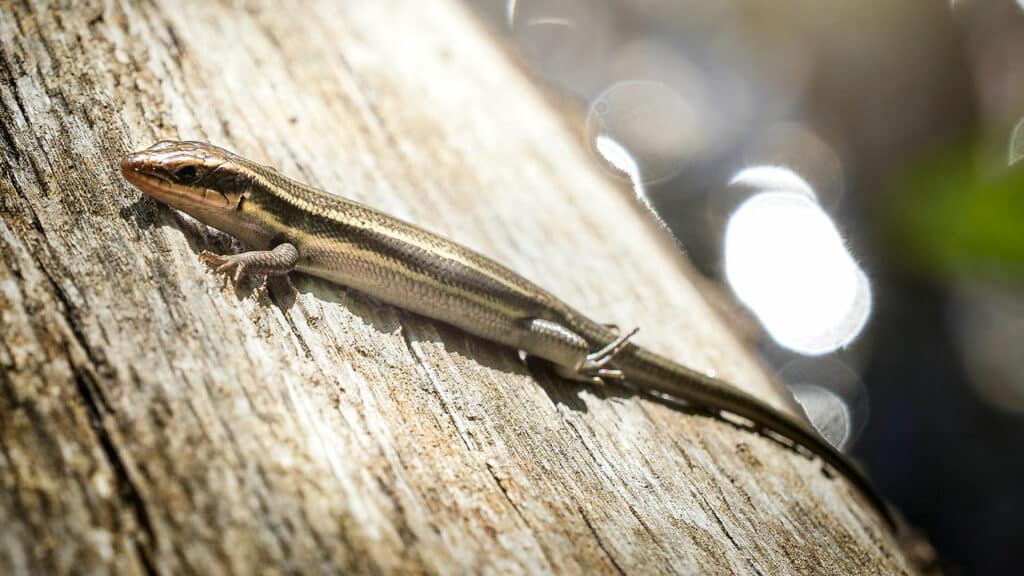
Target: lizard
<point>293,227</point>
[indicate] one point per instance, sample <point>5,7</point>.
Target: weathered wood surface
<point>152,420</point>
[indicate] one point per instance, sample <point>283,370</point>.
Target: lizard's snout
<point>130,164</point>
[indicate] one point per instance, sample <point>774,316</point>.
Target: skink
<point>294,227</point>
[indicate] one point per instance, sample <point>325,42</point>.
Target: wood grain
<point>154,421</point>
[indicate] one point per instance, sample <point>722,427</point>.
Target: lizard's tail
<point>653,373</point>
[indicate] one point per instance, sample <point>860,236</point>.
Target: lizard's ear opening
<point>239,200</point>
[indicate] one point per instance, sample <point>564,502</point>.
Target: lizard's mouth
<point>138,171</point>
<point>145,171</point>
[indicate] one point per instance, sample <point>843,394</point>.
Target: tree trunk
<point>154,420</point>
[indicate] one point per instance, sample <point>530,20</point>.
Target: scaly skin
<point>294,227</point>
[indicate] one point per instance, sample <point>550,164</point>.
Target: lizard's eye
<point>186,174</point>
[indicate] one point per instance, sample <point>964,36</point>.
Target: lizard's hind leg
<point>570,352</point>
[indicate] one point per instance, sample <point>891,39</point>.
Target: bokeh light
<point>988,327</point>
<point>565,42</point>
<point>773,178</point>
<point>787,262</point>
<point>650,120</point>
<point>827,412</point>
<point>620,158</point>
<point>832,395</point>
<point>801,150</point>
<point>1017,141</point>
<point>616,155</point>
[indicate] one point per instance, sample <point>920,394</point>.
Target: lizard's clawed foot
<point>279,261</point>
<point>595,366</point>
<point>231,265</point>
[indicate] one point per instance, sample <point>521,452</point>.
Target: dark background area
<point>903,117</point>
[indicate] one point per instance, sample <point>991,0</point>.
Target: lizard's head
<point>191,176</point>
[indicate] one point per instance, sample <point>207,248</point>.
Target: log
<point>154,420</point>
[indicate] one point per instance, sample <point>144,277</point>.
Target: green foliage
<point>952,215</point>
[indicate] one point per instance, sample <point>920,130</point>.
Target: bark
<point>154,420</point>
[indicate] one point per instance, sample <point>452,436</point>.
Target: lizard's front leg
<point>276,262</point>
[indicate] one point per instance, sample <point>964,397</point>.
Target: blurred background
<point>848,172</point>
